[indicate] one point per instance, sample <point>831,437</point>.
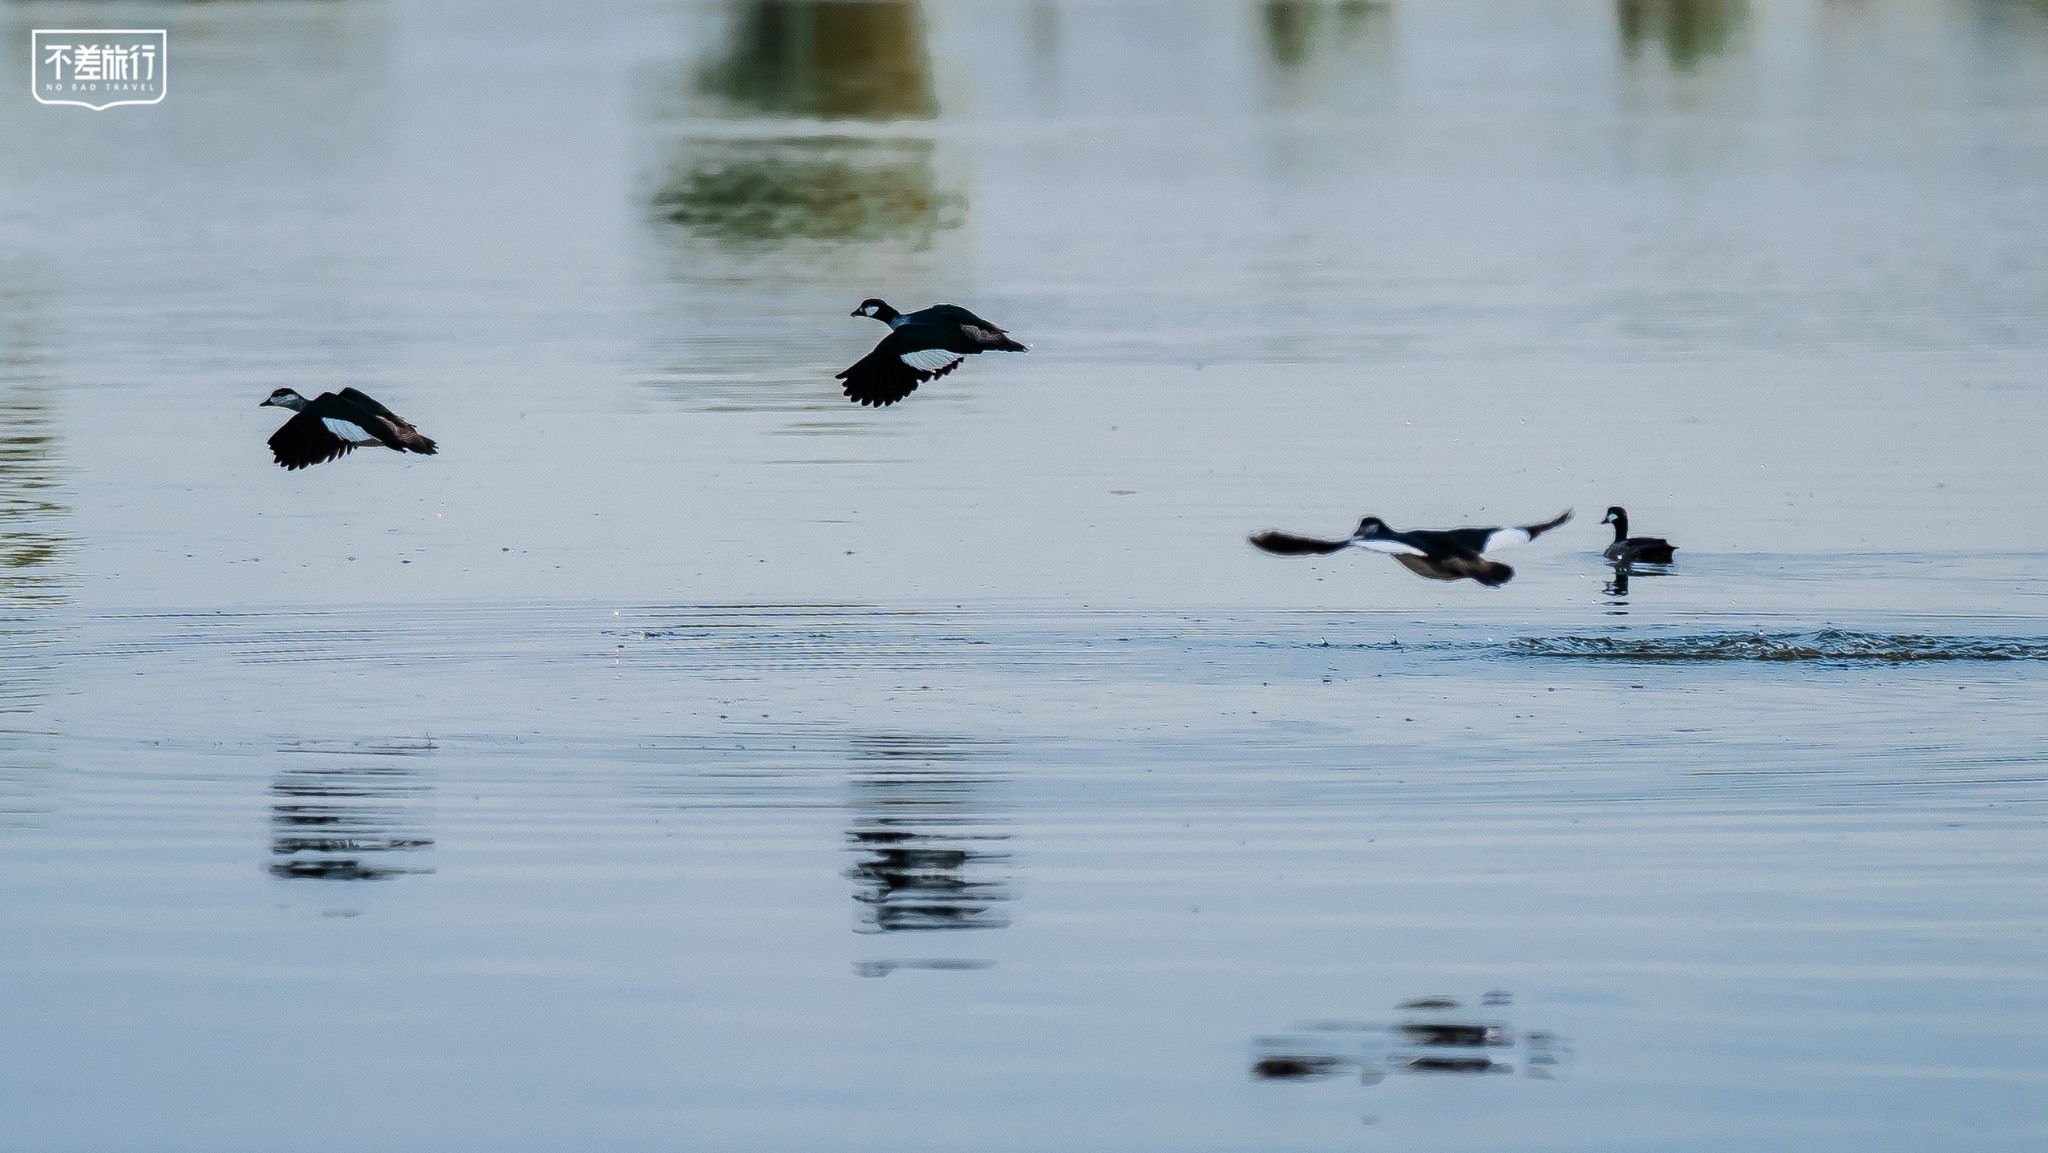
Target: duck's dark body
<point>1439,554</point>
<point>1628,549</point>
<point>921,346</point>
<point>332,423</point>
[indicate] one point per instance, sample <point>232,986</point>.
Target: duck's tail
<point>1287,544</point>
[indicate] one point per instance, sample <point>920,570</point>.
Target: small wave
<point>1838,645</point>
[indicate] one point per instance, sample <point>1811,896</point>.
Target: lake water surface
<point>685,758</point>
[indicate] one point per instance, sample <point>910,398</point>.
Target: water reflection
<point>30,514</point>
<point>926,842</point>
<point>1616,589</point>
<point>1297,30</point>
<point>818,188</point>
<point>1432,1037</point>
<point>826,59</point>
<point>1688,31</point>
<point>813,61</point>
<point>32,545</point>
<point>354,820</point>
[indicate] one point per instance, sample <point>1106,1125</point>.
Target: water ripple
<point>1825,645</point>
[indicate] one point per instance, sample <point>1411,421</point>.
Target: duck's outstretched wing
<point>1287,544</point>
<point>386,425</point>
<point>895,368</point>
<point>1520,534</point>
<point>304,441</point>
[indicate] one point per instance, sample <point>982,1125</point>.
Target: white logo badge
<point>98,68</point>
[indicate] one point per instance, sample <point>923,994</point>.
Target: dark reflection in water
<point>826,59</point>
<point>827,189</point>
<point>2003,22</point>
<point>1296,30</point>
<point>932,964</point>
<point>925,840</point>
<point>31,540</point>
<point>33,544</point>
<point>350,821</point>
<point>1430,1038</point>
<point>1616,588</point>
<point>814,61</point>
<point>1688,31</point>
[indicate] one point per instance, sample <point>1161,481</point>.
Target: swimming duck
<point>1628,549</point>
<point>1439,554</point>
<point>921,346</point>
<point>332,423</point>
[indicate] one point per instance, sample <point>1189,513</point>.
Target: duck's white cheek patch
<point>353,433</point>
<point>929,359</point>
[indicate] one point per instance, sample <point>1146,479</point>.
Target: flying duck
<point>921,346</point>
<point>335,422</point>
<point>1628,549</point>
<point>1439,554</point>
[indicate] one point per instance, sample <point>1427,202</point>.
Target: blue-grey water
<point>685,758</point>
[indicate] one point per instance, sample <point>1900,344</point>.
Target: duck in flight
<point>332,423</point>
<point>921,346</point>
<point>1439,554</point>
<point>1628,549</point>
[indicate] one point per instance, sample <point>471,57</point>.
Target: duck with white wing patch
<point>1439,554</point>
<point>921,346</point>
<point>332,424</point>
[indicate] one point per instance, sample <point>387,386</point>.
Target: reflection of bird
<point>921,346</point>
<point>1439,554</point>
<point>1618,587</point>
<point>1628,549</point>
<point>333,423</point>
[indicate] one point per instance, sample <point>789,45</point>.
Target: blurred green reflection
<point>1689,31</point>
<point>815,189</point>
<point>819,60</point>
<point>833,60</point>
<point>1296,30</point>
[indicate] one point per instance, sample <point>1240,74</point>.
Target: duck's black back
<point>1468,542</point>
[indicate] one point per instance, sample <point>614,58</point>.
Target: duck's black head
<point>285,398</point>
<point>1615,515</point>
<point>1371,526</point>
<point>878,308</point>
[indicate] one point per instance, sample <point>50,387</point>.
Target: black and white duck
<point>1628,549</point>
<point>1439,554</point>
<point>332,423</point>
<point>921,346</point>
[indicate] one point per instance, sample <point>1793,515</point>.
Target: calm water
<point>687,759</point>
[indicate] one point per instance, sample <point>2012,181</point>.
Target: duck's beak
<point>856,312</point>
<point>264,403</point>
